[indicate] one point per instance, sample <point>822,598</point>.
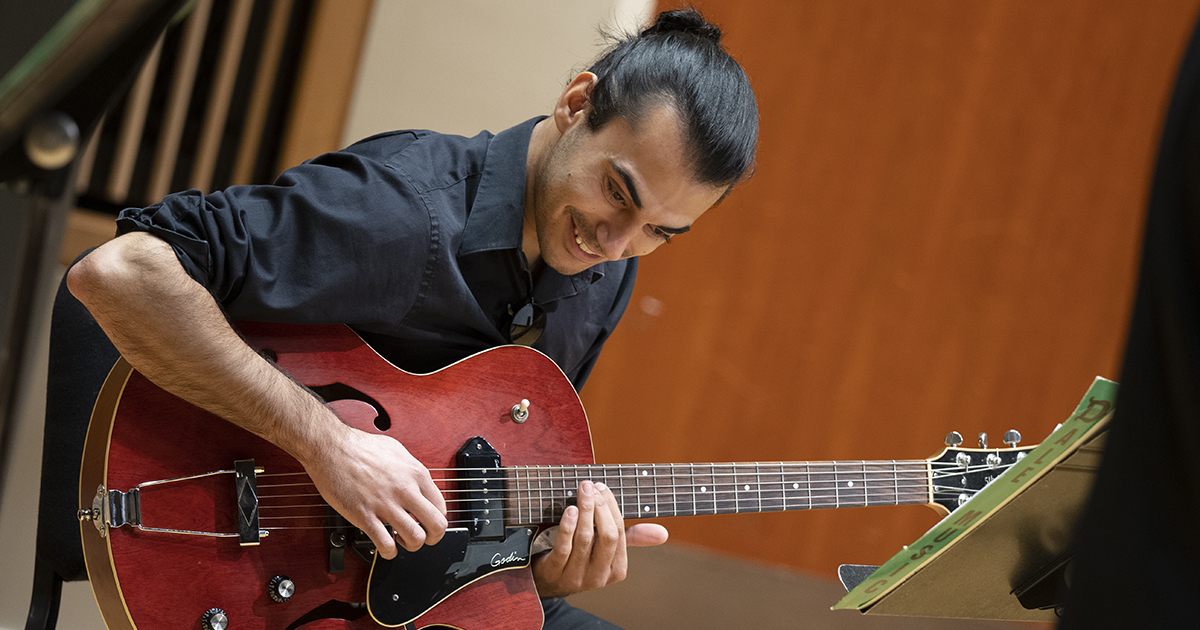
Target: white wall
<point>460,66</point>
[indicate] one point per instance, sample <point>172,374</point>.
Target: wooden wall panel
<point>941,235</point>
<point>337,31</point>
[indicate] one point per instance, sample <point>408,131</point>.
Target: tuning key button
<point>1012,437</point>
<point>982,440</point>
<point>953,438</point>
<point>214,619</point>
<point>281,588</point>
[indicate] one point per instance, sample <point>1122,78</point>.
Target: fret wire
<point>808,485</point>
<point>525,491</point>
<point>675,498</point>
<point>866,499</point>
<point>696,498</point>
<point>659,500</point>
<point>642,490</point>
<point>637,488</point>
<point>896,482</point>
<point>642,484</point>
<point>783,486</point>
<point>653,486</point>
<point>736,502</point>
<point>837,488</point>
<point>543,483</point>
<point>712,486</point>
<point>758,482</point>
<point>604,471</point>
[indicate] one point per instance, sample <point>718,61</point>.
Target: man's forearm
<point>170,329</point>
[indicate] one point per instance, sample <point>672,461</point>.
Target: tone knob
<point>281,588</point>
<point>214,619</point>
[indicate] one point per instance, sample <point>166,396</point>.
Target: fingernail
<point>601,487</point>
<point>587,488</point>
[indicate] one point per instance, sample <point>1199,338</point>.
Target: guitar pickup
<point>481,489</point>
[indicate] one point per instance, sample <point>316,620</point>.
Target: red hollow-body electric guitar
<point>190,522</point>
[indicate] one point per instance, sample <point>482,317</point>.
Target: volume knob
<point>281,588</point>
<point>214,619</point>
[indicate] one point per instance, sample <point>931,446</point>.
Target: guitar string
<point>536,494</point>
<point>789,477</point>
<point>716,482</point>
<point>697,508</point>
<point>884,467</point>
<point>626,513</point>
<point>715,489</point>
<point>723,487</point>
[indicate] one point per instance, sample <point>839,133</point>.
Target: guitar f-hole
<point>342,391</point>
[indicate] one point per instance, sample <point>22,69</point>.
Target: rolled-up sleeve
<point>310,248</point>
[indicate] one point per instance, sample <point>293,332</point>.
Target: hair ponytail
<point>679,60</point>
<point>689,21</point>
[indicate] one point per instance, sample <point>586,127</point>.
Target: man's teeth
<point>579,242</point>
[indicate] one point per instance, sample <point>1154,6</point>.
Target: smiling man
<point>432,248</point>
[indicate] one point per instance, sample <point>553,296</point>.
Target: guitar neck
<point>539,494</point>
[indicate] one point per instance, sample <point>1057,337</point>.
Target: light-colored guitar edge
<point>93,471</point>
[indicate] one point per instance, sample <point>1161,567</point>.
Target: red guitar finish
<point>139,433</point>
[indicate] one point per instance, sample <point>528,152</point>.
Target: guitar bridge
<point>114,508</point>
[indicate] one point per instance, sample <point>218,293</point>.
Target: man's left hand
<point>589,551</point>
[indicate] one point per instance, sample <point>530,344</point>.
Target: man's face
<point>616,193</point>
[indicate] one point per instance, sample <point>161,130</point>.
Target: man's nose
<point>616,234</point>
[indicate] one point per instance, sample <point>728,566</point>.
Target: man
<point>433,248</point>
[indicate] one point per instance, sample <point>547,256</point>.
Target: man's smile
<point>583,246</point>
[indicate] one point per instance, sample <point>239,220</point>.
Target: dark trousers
<point>562,616</point>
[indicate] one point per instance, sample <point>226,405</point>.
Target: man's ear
<point>575,101</point>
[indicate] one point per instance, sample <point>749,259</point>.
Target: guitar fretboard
<point>539,494</point>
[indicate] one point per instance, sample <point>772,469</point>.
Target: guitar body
<point>139,433</point>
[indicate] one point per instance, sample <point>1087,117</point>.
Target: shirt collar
<point>498,212</point>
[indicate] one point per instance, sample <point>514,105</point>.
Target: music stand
<point>1004,554</point>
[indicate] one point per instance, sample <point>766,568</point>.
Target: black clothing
<point>1137,541</point>
<point>412,238</point>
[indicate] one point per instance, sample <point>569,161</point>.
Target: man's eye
<point>663,235</point>
<point>615,193</point>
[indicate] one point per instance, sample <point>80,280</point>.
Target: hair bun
<point>684,21</point>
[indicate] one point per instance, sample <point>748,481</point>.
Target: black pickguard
<point>402,589</point>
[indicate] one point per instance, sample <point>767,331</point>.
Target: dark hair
<point>679,59</point>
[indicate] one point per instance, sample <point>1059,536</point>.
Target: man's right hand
<point>372,481</point>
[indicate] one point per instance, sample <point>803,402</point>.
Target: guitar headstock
<point>958,473</point>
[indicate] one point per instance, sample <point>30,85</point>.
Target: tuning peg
<point>953,438</point>
<point>1012,437</point>
<point>982,440</point>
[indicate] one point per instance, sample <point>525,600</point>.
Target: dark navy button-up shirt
<point>412,238</point>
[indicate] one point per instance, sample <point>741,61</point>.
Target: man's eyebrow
<point>633,195</point>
